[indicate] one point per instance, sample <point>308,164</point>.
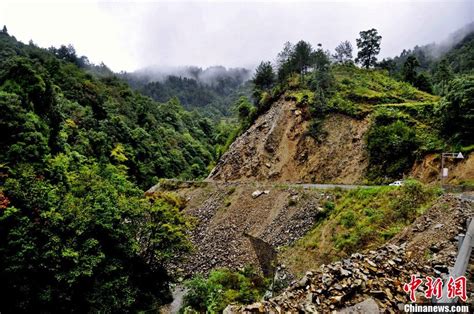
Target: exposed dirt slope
<point>276,148</point>
<point>428,169</point>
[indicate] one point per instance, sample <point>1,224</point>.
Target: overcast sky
<point>132,35</point>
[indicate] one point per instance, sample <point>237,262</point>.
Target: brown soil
<point>428,169</point>
<point>277,149</point>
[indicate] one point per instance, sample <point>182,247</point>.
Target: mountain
<point>313,122</point>
<point>457,49</point>
<point>80,146</point>
<point>211,91</point>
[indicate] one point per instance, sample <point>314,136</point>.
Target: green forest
<point>80,147</point>
<point>211,92</point>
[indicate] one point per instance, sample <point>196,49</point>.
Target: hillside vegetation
<point>212,92</point>
<point>76,232</point>
<point>406,124</point>
<point>79,147</point>
<point>358,220</point>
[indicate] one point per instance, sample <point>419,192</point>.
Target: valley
<point>316,181</point>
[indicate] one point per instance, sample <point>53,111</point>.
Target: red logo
<point>434,287</point>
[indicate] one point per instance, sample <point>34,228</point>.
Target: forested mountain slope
<point>76,233</point>
<point>211,91</point>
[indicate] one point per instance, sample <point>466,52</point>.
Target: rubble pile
<point>224,244</point>
<point>377,277</point>
<point>287,228</point>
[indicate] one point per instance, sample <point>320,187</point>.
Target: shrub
<point>221,288</point>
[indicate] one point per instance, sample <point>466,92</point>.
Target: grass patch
<point>302,97</point>
<point>361,219</point>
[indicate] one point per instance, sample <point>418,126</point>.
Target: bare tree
<point>343,52</point>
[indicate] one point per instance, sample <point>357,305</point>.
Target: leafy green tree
<point>96,246</point>
<point>343,52</point>
<point>221,288</point>
<point>423,83</point>
<point>457,109</point>
<point>284,62</point>
<point>443,74</point>
<point>245,109</point>
<point>392,143</point>
<point>322,78</point>
<point>369,47</point>
<point>264,77</point>
<point>409,70</point>
<point>388,64</point>
<point>322,83</point>
<point>302,56</point>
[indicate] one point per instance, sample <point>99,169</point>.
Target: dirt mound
<point>277,148</point>
<point>426,248</point>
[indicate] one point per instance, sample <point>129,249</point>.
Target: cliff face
<point>276,148</point>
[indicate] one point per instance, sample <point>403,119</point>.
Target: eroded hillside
<point>277,148</point>
<point>225,215</point>
<point>374,129</point>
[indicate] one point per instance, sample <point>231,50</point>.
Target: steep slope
<point>225,215</point>
<point>374,129</point>
<point>277,148</point>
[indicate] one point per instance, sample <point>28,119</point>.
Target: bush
<point>412,194</point>
<point>392,146</point>
<point>221,288</point>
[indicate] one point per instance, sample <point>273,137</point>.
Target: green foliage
<point>409,69</point>
<point>412,194</point>
<point>211,91</point>
<point>90,243</point>
<point>370,216</point>
<point>457,109</point>
<point>221,288</point>
<point>76,233</point>
<point>391,148</point>
<point>264,77</point>
<point>370,87</point>
<point>53,106</point>
<point>369,47</point>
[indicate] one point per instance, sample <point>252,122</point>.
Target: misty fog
<point>129,36</point>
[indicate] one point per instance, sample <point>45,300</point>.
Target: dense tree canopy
<point>76,232</point>
<point>457,109</point>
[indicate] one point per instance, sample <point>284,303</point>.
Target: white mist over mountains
<point>128,36</point>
